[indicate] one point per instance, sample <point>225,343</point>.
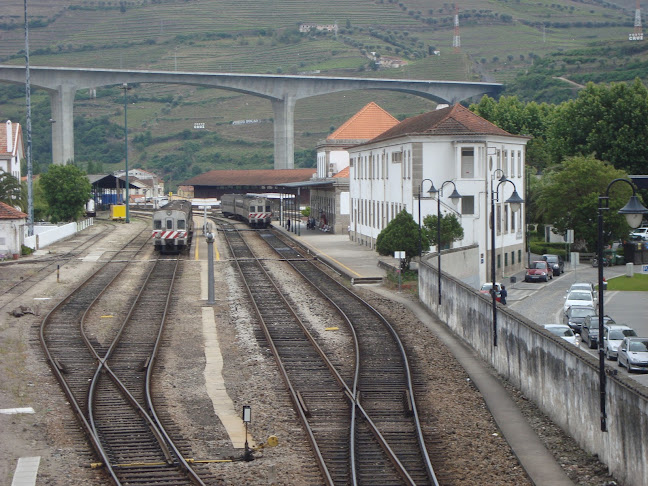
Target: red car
<point>486,288</point>
<point>538,271</point>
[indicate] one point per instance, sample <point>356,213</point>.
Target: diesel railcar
<point>173,227</point>
<point>255,210</point>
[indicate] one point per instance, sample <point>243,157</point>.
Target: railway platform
<point>363,265</point>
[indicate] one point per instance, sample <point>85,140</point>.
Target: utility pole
<point>30,195</point>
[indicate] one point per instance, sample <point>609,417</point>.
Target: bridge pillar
<point>284,132</point>
<point>62,103</point>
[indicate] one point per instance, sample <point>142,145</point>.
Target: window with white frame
<point>467,162</point>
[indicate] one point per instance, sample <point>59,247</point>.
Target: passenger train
<point>173,227</point>
<point>255,210</point>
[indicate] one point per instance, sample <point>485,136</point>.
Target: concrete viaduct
<point>282,91</point>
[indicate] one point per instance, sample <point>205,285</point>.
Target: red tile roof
<point>7,212</point>
<point>258,177</point>
<point>368,123</point>
<point>343,173</point>
<point>453,120</point>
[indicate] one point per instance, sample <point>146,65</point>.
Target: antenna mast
<point>637,35</point>
<point>456,40</point>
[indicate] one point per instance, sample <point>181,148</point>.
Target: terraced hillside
<point>499,39</point>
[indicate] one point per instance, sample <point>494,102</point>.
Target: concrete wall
<point>46,235</point>
<point>560,378</point>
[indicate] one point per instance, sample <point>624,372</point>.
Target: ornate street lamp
<point>454,197</point>
<point>634,212</point>
<point>515,201</point>
<point>431,192</point>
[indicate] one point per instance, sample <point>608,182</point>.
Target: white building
<point>12,230</point>
<point>329,191</point>
<point>389,172</point>
<point>149,186</point>
<point>11,148</point>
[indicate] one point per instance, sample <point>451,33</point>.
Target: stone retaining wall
<point>560,378</point>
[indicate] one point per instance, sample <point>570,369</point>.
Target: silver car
<point>613,335</point>
<point>633,353</point>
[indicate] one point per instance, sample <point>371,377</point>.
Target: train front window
<point>169,224</point>
<point>181,224</point>
<point>267,209</point>
<point>157,224</point>
<point>253,209</point>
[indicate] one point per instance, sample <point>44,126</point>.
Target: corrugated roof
<point>368,123</point>
<point>453,120</point>
<point>7,212</point>
<point>258,177</point>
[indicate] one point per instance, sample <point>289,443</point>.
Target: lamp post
<point>125,87</point>
<point>454,197</point>
<point>634,212</point>
<point>432,191</point>
<point>516,202</point>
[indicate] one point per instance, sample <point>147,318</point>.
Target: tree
<point>66,189</point>
<point>402,234</point>
<point>568,199</point>
<point>10,190</point>
<point>610,122</point>
<point>451,229</point>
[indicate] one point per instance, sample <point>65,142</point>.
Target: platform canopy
<point>109,181</point>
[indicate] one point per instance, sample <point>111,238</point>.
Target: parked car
<point>588,286</point>
<point>538,271</point>
<point>613,334</point>
<point>556,262</point>
<point>486,289</point>
<point>590,330</point>
<point>578,297</point>
<point>633,353</point>
<point>562,331</point>
<point>639,233</point>
<point>576,314</point>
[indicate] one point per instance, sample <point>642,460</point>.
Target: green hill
<point>528,45</point>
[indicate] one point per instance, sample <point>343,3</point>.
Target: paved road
<point>543,302</point>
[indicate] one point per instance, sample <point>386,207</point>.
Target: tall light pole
<point>634,212</point>
<point>125,87</point>
<point>30,182</point>
<point>432,191</point>
<point>516,202</point>
<point>454,197</point>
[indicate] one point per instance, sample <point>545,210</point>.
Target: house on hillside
<point>11,148</point>
<point>394,171</point>
<point>330,190</point>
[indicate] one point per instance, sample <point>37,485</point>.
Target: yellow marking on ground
<point>196,252</point>
<point>105,317</point>
<point>342,265</point>
<point>216,251</point>
<point>331,328</point>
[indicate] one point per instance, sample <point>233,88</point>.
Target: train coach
<point>254,210</point>
<point>173,227</point>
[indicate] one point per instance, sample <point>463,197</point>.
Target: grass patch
<point>638,282</point>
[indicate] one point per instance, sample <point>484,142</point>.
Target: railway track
<point>39,269</point>
<point>363,429</point>
<point>108,386</point>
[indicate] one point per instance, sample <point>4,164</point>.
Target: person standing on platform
<point>288,224</point>
<point>503,295</point>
